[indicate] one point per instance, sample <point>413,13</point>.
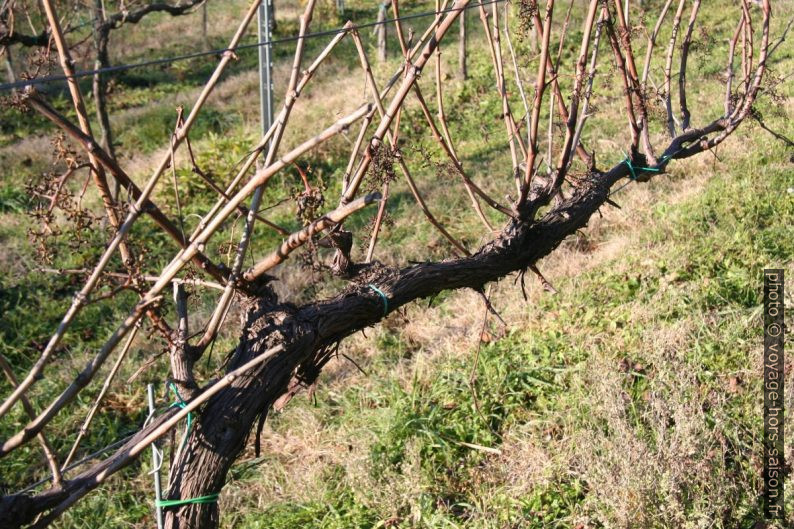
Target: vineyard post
<point>265,19</point>
<point>381,30</point>
<point>462,71</point>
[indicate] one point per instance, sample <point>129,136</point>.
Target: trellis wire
<point>168,60</point>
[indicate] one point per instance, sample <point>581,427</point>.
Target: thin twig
<point>92,281</point>
<point>49,453</point>
<point>668,65</point>
<point>685,114</point>
<point>299,238</point>
<point>102,392</point>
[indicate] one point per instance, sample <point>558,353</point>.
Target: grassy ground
<point>632,398</point>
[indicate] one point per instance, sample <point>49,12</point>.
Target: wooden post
<point>462,71</point>
<point>265,20</point>
<point>99,85</point>
<point>11,76</point>
<point>382,32</point>
<point>205,41</point>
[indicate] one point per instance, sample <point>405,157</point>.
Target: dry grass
<point>641,476</point>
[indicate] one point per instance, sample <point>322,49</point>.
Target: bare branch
<point>102,392</point>
<point>729,69</point>
<point>117,20</point>
<point>135,211</point>
<point>634,125</point>
<point>98,172</point>
<point>651,43</point>
<point>299,238</point>
<point>685,115</point>
<point>570,126</point>
<point>274,143</point>
<point>668,68</point>
<point>589,89</point>
<point>49,453</point>
<point>540,87</point>
<point>89,144</point>
<point>634,87</point>
<point>494,46</point>
<point>519,82</point>
<point>397,101</point>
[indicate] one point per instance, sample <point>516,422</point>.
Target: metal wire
<point>168,60</point>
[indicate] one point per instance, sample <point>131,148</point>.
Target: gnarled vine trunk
<point>309,333</point>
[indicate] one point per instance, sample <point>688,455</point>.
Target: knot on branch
<point>373,272</point>
<point>342,241</point>
<point>258,289</point>
<point>304,377</point>
<point>20,509</point>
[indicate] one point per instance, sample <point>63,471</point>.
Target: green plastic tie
<point>209,498</point>
<point>180,403</point>
<point>627,161</point>
<point>665,158</point>
<point>631,167</point>
<point>383,297</point>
